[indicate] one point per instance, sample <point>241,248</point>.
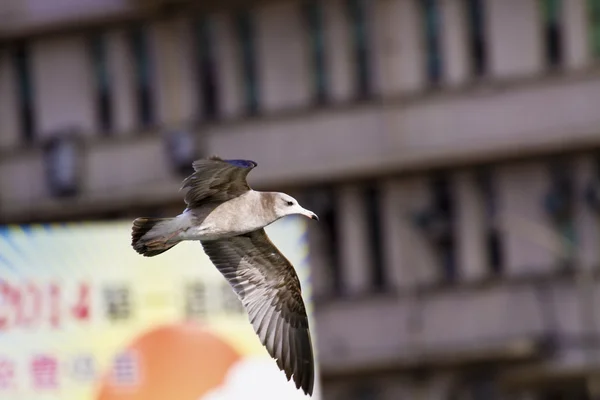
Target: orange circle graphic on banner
<point>181,362</point>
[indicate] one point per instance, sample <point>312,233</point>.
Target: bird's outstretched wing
<point>216,180</point>
<point>267,284</point>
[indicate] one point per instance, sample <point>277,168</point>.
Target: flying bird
<point>228,218</point>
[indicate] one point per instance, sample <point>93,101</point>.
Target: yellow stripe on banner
<point>15,229</point>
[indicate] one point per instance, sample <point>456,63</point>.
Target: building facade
<point>450,148</point>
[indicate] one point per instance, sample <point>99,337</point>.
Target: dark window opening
<point>493,235</point>
<point>313,13</point>
<point>594,22</point>
<point>360,40</point>
<point>104,112</point>
<point>444,213</point>
<point>494,251</point>
<point>245,32</point>
<point>22,67</point>
<point>432,23</point>
<point>551,10</point>
<point>207,70</point>
<point>559,204</point>
<point>373,215</point>
<point>329,221</point>
<point>143,71</point>
<point>477,43</point>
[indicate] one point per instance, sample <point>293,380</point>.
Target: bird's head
<point>285,204</point>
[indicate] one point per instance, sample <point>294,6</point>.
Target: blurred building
<point>449,147</point>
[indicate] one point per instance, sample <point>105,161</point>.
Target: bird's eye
<point>290,203</point>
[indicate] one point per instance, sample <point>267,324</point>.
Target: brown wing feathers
<point>216,180</point>
<point>268,286</point>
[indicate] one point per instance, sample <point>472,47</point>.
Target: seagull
<point>228,218</point>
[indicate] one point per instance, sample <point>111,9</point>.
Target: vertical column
<point>122,81</point>
<point>393,247</point>
<point>587,229</point>
<point>339,50</point>
<point>455,30</point>
<point>532,244</point>
<point>418,263</point>
<point>282,44</point>
<point>353,248</point>
<point>230,85</point>
<point>514,37</point>
<point>402,52</point>
<point>175,80</point>
<point>470,227</point>
<point>9,123</point>
<point>575,30</point>
<point>63,86</point>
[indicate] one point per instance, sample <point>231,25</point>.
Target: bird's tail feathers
<point>153,236</point>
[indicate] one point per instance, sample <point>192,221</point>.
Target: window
<point>313,12</point>
<point>360,41</point>
<point>551,10</point>
<point>594,21</point>
<point>481,385</point>
<point>477,43</point>
<point>21,64</point>
<point>432,25</point>
<point>143,71</point>
<point>245,34</point>
<point>207,69</point>
<point>364,391</point>
<point>559,204</point>
<point>373,215</point>
<point>444,214</point>
<point>323,201</point>
<point>104,112</point>
<point>493,235</point>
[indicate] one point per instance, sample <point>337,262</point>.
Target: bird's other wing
<point>267,284</point>
<point>216,180</point>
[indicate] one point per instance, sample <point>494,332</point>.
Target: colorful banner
<point>83,316</point>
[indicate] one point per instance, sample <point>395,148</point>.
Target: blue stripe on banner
<point>8,239</point>
<point>5,263</point>
<point>26,229</point>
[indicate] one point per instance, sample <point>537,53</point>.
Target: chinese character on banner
<point>118,302</point>
<point>83,368</point>
<point>44,371</point>
<point>126,369</point>
<point>7,374</point>
<point>195,300</point>
<point>230,301</point>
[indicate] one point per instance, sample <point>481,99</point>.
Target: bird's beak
<point>310,214</point>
